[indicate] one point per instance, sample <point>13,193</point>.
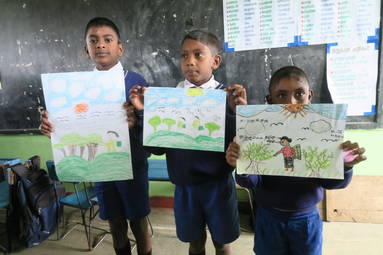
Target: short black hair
<point>287,72</point>
<point>285,138</point>
<point>102,21</point>
<point>204,37</point>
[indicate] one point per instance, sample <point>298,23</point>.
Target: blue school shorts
<point>213,204</point>
<point>277,234</point>
<point>127,199</point>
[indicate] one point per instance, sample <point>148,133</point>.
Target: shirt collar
<point>116,67</point>
<point>210,84</point>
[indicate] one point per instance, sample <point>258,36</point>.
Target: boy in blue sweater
<point>128,199</point>
<point>287,220</point>
<point>205,190</point>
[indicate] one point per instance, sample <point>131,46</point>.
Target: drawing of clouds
<point>76,89</point>
<point>190,100</point>
<point>173,100</point>
<point>320,126</point>
<point>58,85</point>
<point>209,102</point>
<point>93,93</point>
<point>58,102</point>
<point>254,128</point>
<point>113,96</point>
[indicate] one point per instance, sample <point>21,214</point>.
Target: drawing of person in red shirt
<point>288,153</point>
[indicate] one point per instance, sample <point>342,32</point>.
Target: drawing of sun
<point>293,110</point>
<point>194,92</point>
<point>81,108</point>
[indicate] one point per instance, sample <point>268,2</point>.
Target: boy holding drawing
<point>205,190</point>
<point>128,199</point>
<point>287,220</point>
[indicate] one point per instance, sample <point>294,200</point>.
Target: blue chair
<point>5,163</point>
<point>84,199</point>
<point>158,170</point>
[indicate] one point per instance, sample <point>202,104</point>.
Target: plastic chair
<point>84,199</point>
<point>250,196</point>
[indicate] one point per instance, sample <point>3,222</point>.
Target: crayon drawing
<point>291,140</point>
<point>185,118</point>
<point>91,137</point>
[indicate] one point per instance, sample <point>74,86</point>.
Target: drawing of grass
<point>172,139</point>
<point>75,168</point>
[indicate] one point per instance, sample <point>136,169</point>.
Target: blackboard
<point>48,36</point>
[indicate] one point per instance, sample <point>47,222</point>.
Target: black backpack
<point>35,204</point>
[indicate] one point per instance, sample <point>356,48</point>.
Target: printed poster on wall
<point>91,137</point>
<point>291,140</point>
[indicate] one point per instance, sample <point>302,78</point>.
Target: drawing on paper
<point>91,138</point>
<point>291,140</point>
<point>185,118</point>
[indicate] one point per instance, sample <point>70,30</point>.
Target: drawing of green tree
<point>93,140</point>
<point>169,122</point>
<point>71,141</point>
<point>211,127</point>
<point>155,122</point>
<point>256,153</point>
<point>316,160</point>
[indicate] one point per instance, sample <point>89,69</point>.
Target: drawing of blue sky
<point>64,90</point>
<point>175,97</point>
<point>332,111</point>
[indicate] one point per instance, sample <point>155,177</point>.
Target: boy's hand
<point>232,153</point>
<point>236,94</point>
<point>130,115</point>
<point>46,127</point>
<point>352,154</point>
<point>136,96</point>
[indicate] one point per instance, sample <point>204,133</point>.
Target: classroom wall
<point>25,146</point>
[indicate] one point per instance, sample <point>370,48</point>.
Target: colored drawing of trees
<point>256,153</point>
<point>316,160</point>
<point>93,141</point>
<point>169,122</point>
<point>70,143</point>
<point>155,122</point>
<point>211,127</point>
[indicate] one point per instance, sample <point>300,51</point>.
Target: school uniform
<point>128,198</point>
<point>205,190</point>
<point>287,219</point>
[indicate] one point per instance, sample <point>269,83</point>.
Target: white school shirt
<point>210,84</point>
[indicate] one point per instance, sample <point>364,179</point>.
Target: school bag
<point>34,204</point>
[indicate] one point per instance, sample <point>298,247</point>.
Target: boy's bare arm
<point>136,96</point>
<point>236,94</point>
<point>232,153</point>
<point>46,127</point>
<point>353,154</point>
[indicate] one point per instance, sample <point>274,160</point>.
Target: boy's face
<point>198,62</point>
<point>103,47</point>
<point>290,91</point>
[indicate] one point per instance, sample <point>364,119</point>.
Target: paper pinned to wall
<point>91,138</point>
<point>258,24</point>
<point>352,73</point>
<point>185,118</point>
<point>291,140</point>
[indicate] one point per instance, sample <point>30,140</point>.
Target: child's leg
<point>119,231</point>
<point>198,247</point>
<point>141,234</point>
<point>222,249</point>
